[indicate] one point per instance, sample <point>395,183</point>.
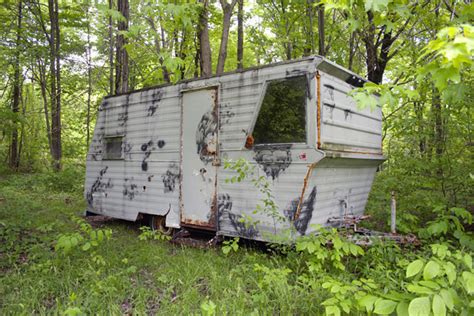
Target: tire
<point>158,223</point>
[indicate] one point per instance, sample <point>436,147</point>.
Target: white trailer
<point>159,151</point>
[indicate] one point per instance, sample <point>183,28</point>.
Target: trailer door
<point>199,158</point>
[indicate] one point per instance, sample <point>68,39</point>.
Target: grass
<point>123,275</point>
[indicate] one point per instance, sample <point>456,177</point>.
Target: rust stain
<point>305,185</point>
<point>198,224</point>
<point>318,106</point>
<point>249,142</point>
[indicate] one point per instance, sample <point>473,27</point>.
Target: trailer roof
<point>324,64</point>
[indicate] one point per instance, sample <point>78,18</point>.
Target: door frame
<point>212,225</point>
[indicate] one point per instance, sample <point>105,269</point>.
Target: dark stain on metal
<point>150,177</point>
<point>243,229</point>
<point>127,148</point>
<point>224,206</point>
<point>147,148</point>
<point>273,158</point>
<point>98,186</point>
<point>302,221</point>
<point>347,113</point>
<point>206,136</point>
<point>170,178</point>
<point>161,143</point>
<point>225,115</point>
<point>155,99</point>
<point>123,117</point>
<point>130,189</point>
<point>295,73</point>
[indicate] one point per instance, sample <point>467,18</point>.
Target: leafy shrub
<point>85,239</point>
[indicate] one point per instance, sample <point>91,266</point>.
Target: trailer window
<point>113,147</point>
<point>282,116</point>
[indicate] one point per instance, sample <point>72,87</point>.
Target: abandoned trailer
<point>160,151</point>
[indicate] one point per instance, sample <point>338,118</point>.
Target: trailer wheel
<point>158,223</point>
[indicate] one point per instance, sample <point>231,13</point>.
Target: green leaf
<point>431,270</point>
<point>414,268</point>
<point>447,298</point>
<point>431,284</point>
<point>419,306</point>
<point>468,261</point>
<point>367,301</point>
<point>385,307</point>
<point>468,279</point>
<point>450,271</point>
<point>414,288</point>
<point>402,309</point>
<point>439,308</point>
<point>86,246</point>
<point>333,310</point>
<point>376,5</point>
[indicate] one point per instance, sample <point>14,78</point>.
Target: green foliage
<point>84,239</point>
<point>230,245</point>
<point>451,53</point>
<point>208,308</point>
<point>149,234</point>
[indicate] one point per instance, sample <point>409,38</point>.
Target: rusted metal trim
<point>198,225</point>
<point>213,220</point>
<point>305,185</point>
<point>318,107</point>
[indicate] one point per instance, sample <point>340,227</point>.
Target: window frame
<point>104,149</point>
<point>266,83</point>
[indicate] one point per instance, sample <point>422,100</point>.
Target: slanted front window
<point>113,148</point>
<point>282,117</point>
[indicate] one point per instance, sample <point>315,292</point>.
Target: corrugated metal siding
<point>345,127</point>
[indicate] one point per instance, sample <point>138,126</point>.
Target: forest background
<point>60,58</point>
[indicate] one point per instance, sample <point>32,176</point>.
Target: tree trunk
<point>204,45</point>
<point>309,47</point>
<point>14,160</point>
<point>227,8</point>
<point>166,74</point>
<point>111,52</point>
<point>240,35</point>
<point>89,79</point>
<point>55,84</point>
<point>321,48</point>
<point>121,55</point>
<point>156,39</point>
<point>42,82</point>
<point>352,41</point>
<point>289,45</point>
<point>438,123</point>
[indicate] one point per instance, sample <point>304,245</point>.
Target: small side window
<point>282,116</point>
<point>113,148</point>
